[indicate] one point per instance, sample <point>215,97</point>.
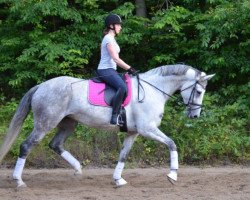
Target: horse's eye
<point>198,92</point>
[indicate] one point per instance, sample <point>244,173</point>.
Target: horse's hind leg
<point>65,128</point>
<point>127,145</point>
<point>34,138</point>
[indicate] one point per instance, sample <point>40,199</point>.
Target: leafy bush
<point>221,133</point>
<point>40,40</point>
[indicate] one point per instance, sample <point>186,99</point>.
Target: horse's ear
<point>207,77</point>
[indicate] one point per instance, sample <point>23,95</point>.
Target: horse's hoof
<point>78,172</point>
<point>173,182</point>
<point>21,184</point>
<point>172,177</point>
<point>120,182</point>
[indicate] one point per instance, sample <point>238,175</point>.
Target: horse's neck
<point>168,84</point>
<point>172,84</point>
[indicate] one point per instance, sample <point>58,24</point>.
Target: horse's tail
<point>17,121</point>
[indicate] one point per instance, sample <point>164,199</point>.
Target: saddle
<point>101,94</point>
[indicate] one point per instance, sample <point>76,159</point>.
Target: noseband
<point>190,102</point>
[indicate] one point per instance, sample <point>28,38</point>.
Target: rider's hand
<point>132,71</point>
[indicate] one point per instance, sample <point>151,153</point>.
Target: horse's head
<point>192,92</point>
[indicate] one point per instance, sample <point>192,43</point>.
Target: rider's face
<point>118,28</point>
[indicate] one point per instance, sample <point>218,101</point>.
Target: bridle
<point>189,105</point>
<point>190,102</point>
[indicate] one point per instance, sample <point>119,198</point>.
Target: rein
<point>190,100</point>
<point>188,105</point>
<point>140,86</point>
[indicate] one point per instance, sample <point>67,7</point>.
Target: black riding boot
<point>117,102</point>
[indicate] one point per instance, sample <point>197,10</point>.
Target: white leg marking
<point>174,165</point>
<point>174,160</point>
<point>118,170</point>
<point>119,181</point>
<point>17,174</point>
<point>72,161</point>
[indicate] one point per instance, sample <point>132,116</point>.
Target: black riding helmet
<point>112,19</point>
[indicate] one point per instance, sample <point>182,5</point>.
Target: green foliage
<point>43,39</point>
<point>47,39</point>
<point>220,134</point>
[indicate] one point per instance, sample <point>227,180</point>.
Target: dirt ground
<point>229,183</point>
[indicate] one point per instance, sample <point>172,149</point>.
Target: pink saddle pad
<point>96,92</point>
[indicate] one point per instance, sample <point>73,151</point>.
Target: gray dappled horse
<point>62,102</point>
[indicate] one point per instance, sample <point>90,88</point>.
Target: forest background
<point>42,39</point>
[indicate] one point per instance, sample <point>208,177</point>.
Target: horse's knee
<point>172,146</point>
<point>25,148</point>
<point>124,153</point>
<point>123,157</point>
<point>56,147</point>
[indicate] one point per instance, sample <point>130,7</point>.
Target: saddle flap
<point>109,93</point>
<point>101,95</point>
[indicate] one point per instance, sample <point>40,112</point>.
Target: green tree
<point>43,39</point>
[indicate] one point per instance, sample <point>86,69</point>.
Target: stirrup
<point>120,122</point>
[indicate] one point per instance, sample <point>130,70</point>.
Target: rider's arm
<point>115,56</point>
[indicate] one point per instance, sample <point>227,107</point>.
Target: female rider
<point>108,64</point>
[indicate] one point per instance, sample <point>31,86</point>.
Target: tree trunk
<point>141,8</point>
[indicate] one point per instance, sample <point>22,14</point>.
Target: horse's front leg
<point>127,144</point>
<point>155,134</point>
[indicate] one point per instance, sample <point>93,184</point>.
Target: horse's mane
<point>168,70</point>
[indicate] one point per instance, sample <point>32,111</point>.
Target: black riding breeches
<point>112,78</point>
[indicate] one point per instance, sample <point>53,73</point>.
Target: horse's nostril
<point>195,116</point>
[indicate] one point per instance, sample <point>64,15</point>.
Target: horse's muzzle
<point>193,115</point>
